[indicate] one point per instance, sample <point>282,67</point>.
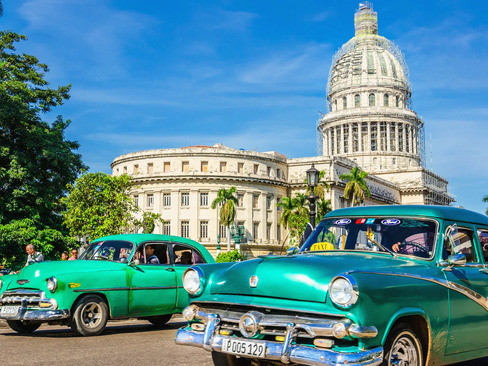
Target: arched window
<point>397,101</point>
<point>344,102</point>
<point>372,100</point>
<point>386,100</point>
<point>357,101</point>
<point>335,104</point>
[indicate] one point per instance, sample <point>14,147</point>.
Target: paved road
<point>122,343</point>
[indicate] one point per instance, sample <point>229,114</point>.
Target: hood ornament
<point>22,282</point>
<point>253,281</point>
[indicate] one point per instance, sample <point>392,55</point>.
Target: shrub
<point>232,256</point>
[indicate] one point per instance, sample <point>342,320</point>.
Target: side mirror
<point>135,263</point>
<point>291,251</point>
<point>456,260</point>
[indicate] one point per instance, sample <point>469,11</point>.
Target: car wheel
<point>223,359</point>
<point>23,327</point>
<point>90,316</point>
<point>403,347</point>
<point>160,321</point>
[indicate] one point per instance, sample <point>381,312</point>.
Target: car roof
<point>139,238</point>
<point>443,212</point>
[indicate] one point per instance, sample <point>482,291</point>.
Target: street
<point>130,342</point>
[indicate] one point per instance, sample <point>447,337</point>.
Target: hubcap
<point>91,315</point>
<point>404,352</point>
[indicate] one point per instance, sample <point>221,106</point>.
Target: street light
<point>312,181</point>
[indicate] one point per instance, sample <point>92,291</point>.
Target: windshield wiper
<point>382,247</point>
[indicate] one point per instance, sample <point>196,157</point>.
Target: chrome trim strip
<point>127,288</point>
<point>466,291</point>
<point>38,315</point>
<point>300,311</point>
<point>103,289</point>
<point>288,352</point>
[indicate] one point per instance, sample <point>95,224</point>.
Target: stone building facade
<point>370,123</point>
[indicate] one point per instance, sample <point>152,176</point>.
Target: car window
<point>402,235</point>
<point>152,254</point>
<point>483,237</point>
<point>111,250</point>
<point>185,255</point>
<point>459,241</point>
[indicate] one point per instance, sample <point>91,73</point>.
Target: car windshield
<point>110,250</point>
<point>397,235</point>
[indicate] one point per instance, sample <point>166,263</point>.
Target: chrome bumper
<point>284,352</point>
<point>38,315</point>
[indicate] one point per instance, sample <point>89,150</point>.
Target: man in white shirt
<point>32,255</point>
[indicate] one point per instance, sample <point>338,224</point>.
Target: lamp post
<point>312,181</point>
<point>218,244</point>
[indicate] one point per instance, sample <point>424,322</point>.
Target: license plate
<point>9,310</point>
<point>243,348</point>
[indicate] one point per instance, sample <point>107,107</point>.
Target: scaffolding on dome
<point>380,42</point>
<point>422,144</point>
<point>320,139</point>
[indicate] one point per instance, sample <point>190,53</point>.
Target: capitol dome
<point>370,118</point>
<point>368,59</point>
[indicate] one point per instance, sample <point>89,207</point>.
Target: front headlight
<point>343,291</point>
<point>52,284</point>
<point>192,280</point>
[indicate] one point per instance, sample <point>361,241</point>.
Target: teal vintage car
<point>111,280</point>
<point>389,285</point>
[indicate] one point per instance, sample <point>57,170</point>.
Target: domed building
<point>370,123</point>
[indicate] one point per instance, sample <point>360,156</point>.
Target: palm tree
<point>356,185</point>
<point>322,185</point>
<point>227,200</point>
<point>287,207</point>
<point>485,199</point>
<point>323,207</point>
<point>300,204</point>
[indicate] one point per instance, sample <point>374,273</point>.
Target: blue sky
<point>252,74</point>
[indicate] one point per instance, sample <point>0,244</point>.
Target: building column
<point>341,144</point>
<point>404,137</point>
<point>388,142</point>
<point>349,142</point>
<point>369,137</point>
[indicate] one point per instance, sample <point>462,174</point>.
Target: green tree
<point>99,204</point>
<point>148,222</point>
<point>36,161</point>
<point>485,199</point>
<point>356,188</point>
<point>294,215</point>
<point>323,208</point>
<point>227,201</point>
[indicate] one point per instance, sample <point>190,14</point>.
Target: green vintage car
<point>390,285</point>
<point>110,280</point>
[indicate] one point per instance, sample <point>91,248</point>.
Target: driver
<point>151,258</point>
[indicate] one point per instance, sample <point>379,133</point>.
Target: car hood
<point>37,273</point>
<point>299,277</point>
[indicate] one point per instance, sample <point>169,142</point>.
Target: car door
<point>468,291</point>
<point>184,256</point>
<point>152,286</point>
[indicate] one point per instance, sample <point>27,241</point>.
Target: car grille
<point>24,298</point>
<point>272,323</point>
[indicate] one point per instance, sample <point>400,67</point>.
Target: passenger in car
<point>186,258</point>
<point>151,258</point>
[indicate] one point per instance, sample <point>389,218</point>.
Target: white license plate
<point>243,348</point>
<point>9,310</point>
